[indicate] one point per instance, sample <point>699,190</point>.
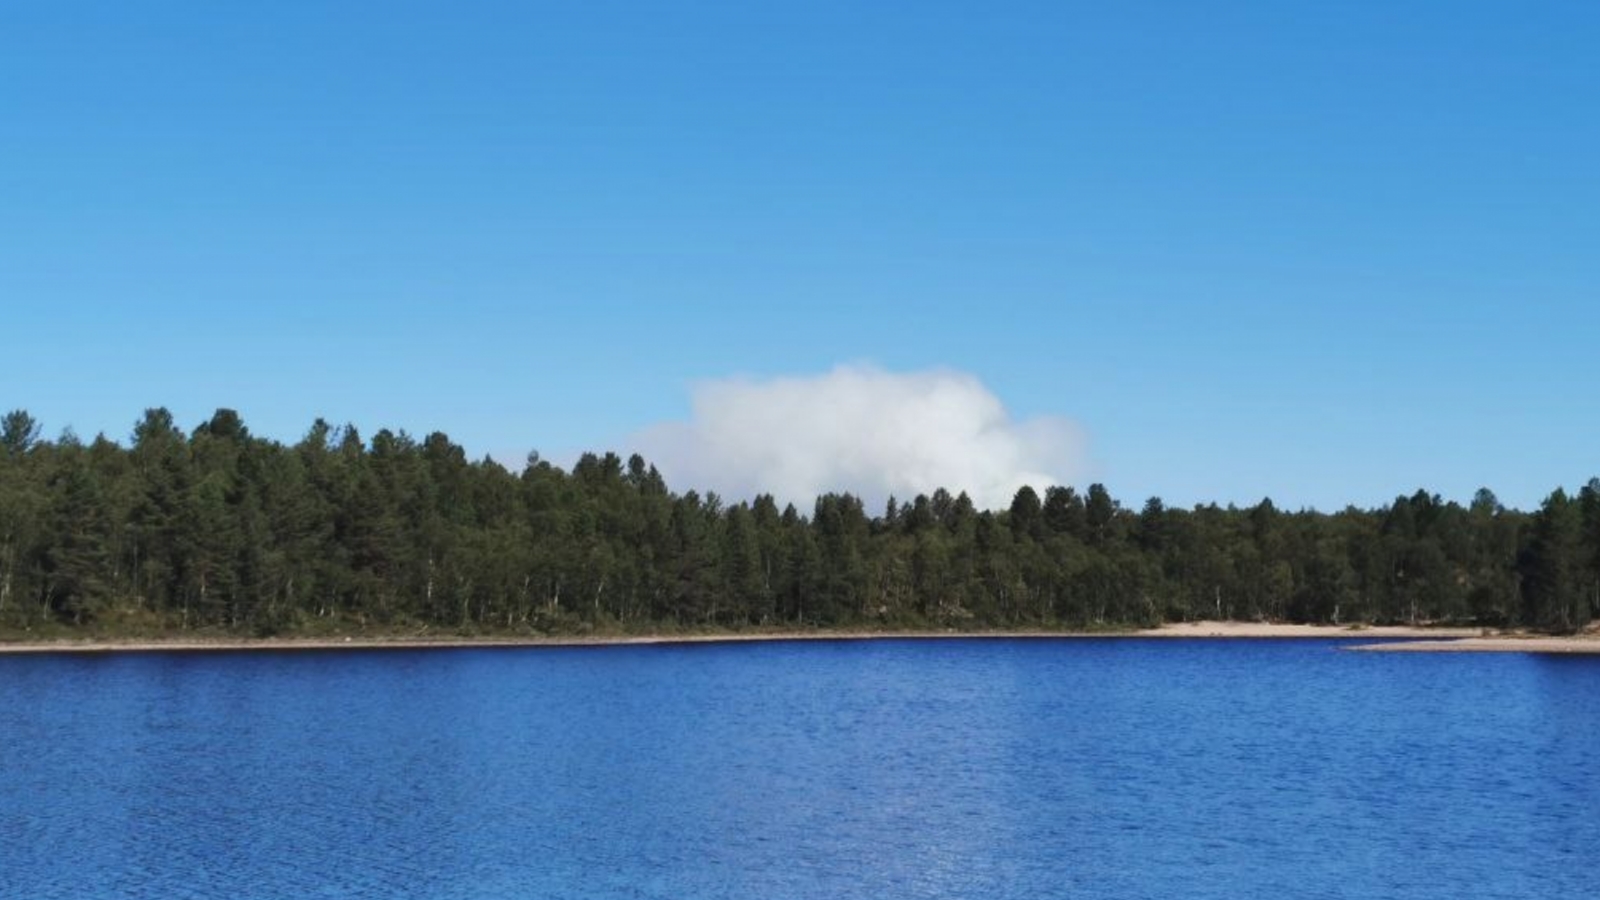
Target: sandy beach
<point>1397,638</point>
<point>1216,629</point>
<point>1508,643</point>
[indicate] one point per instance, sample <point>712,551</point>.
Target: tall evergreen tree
<point>1589,544</point>
<point>1552,582</point>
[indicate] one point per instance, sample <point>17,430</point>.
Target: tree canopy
<point>221,529</point>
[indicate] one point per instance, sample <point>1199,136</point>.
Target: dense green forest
<point>220,530</point>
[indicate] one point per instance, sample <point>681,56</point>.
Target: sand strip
<point>1495,644</point>
<point>1234,630</point>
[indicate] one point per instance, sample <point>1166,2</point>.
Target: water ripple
<point>992,769</point>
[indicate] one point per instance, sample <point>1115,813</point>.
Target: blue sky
<point>1326,253</point>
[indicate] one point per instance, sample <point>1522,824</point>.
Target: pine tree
<point>1552,581</point>
<point>1589,551</point>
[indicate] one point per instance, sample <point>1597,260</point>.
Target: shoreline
<point>1506,643</point>
<point>1398,638</point>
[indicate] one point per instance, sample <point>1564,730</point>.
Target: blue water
<point>950,769</point>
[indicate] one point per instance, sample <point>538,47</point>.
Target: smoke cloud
<point>863,430</point>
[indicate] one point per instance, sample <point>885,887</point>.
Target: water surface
<point>1116,768</point>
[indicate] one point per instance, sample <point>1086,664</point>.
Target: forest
<point>220,531</point>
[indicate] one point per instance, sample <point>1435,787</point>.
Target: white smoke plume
<point>863,430</point>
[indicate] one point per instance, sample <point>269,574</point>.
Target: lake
<point>996,768</point>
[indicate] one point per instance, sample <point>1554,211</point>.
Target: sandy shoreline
<point>1509,643</point>
<point>1397,638</point>
<point>1211,629</point>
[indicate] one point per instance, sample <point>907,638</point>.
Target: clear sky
<point>1323,252</point>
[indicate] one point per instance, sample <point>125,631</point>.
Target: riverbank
<point>1432,638</point>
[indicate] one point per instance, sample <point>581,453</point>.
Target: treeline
<point>219,529</point>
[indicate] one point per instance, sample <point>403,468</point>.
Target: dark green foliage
<point>221,529</point>
<point>1064,512</point>
<point>1554,568</point>
<point>18,433</point>
<point>1027,514</point>
<point>1100,515</point>
<point>1588,562</point>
